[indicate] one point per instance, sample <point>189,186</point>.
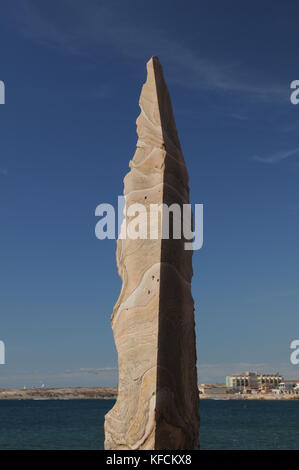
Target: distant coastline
<point>257,396</point>
<point>76,393</point>
<point>110,393</point>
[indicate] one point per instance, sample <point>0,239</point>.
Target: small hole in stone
<point>157,280</point>
<point>153,277</point>
<point>148,291</point>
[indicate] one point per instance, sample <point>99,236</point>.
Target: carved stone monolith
<point>153,320</point>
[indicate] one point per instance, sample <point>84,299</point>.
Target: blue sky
<point>73,71</point>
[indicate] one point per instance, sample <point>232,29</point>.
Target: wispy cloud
<point>237,117</point>
<point>90,27</point>
<point>98,371</point>
<point>278,156</point>
<point>88,376</point>
<point>3,172</point>
<point>107,376</point>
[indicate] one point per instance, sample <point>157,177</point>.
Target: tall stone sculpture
<point>153,320</point>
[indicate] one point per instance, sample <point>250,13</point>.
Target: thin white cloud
<point>87,377</point>
<point>91,27</point>
<point>237,117</point>
<point>277,157</point>
<point>98,371</point>
<point>107,376</point>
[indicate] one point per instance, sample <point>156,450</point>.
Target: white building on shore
<point>253,381</point>
<point>289,387</point>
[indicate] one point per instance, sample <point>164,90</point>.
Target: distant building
<point>284,387</point>
<point>287,387</point>
<point>253,381</point>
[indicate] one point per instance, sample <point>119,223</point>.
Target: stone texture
<point>153,320</point>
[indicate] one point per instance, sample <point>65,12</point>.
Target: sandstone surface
<point>153,320</point>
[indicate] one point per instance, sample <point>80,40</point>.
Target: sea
<point>79,424</point>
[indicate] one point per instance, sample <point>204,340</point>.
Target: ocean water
<point>78,424</point>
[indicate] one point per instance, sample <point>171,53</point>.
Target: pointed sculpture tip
<point>154,60</point>
<point>154,66</point>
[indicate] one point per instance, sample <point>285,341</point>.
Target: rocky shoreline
<point>258,396</point>
<point>78,393</point>
<point>110,393</point>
